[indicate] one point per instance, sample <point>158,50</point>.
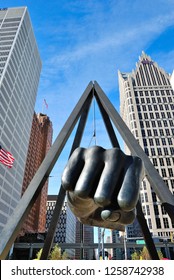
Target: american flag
<point>6,158</point>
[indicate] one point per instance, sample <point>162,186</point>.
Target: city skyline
<point>81,41</point>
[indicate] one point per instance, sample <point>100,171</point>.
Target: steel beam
<point>14,223</point>
<point>146,233</point>
<point>154,178</point>
<point>64,246</point>
<point>61,196</point>
<point>108,124</point>
<point>140,217</point>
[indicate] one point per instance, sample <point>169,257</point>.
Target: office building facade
<point>66,227</point>
<point>147,107</point>
<point>39,144</point>
<point>20,68</point>
<point>84,235</point>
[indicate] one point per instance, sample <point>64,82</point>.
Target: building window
<point>142,197</point>
<point>170,172</point>
<point>151,115</point>
<point>144,185</point>
<point>168,114</point>
<point>157,115</point>
<point>141,124</point>
<point>168,162</point>
<point>143,132</point>
<point>161,161</point>
<point>166,151</point>
<point>159,123</point>
<point>155,132</point>
<point>153,151</point>
<point>145,115</point>
<point>158,223</point>
<point>163,171</point>
<point>151,142</point>
<point>138,108</point>
<point>163,141</point>
<point>146,197</point>
<point>149,107</point>
<point>169,141</point>
<point>145,142</point>
<point>144,108</point>
<point>154,162</point>
<point>167,132</point>
<point>156,209</point>
<point>140,115</point>
<point>148,209</point>
<point>154,197</point>
<point>150,223</point>
<point>157,142</point>
<point>147,124</point>
<point>149,133</point>
<point>159,151</point>
<point>163,210</point>
<point>166,222</point>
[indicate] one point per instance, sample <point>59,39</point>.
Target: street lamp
<point>103,249</point>
<point>125,240</point>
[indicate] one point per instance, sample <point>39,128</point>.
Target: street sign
<point>141,241</point>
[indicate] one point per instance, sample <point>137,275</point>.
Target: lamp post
<point>125,240</point>
<point>99,242</point>
<point>103,249</point>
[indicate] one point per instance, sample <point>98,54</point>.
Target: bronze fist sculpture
<point>103,186</point>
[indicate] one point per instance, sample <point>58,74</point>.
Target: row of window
<point>159,151</point>
<point>157,141</point>
<point>157,100</point>
<point>155,115</point>
<point>151,93</point>
<point>155,107</point>
<point>163,161</point>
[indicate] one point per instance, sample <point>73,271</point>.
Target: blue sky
<point>84,40</point>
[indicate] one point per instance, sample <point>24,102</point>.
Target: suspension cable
<point>94,122</point>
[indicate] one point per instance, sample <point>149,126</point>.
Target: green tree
<point>135,255</point>
<point>144,254</point>
<point>38,255</point>
<point>54,255</point>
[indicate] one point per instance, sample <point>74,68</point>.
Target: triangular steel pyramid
<point>109,113</point>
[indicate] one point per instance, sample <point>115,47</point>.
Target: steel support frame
<point>12,228</point>
<point>14,223</point>
<point>61,196</point>
<point>140,216</point>
<point>157,183</point>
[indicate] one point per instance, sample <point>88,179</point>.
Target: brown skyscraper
<point>40,142</point>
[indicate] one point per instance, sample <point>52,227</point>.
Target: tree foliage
<point>54,255</point>
<point>144,254</point>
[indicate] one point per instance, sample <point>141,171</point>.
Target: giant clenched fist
<point>103,186</point>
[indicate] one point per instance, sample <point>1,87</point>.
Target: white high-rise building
<point>147,107</point>
<point>20,68</point>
